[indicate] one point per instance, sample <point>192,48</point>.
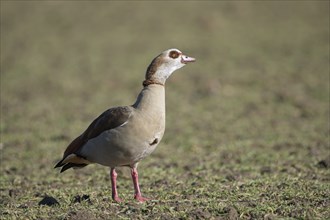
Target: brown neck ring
<point>148,82</point>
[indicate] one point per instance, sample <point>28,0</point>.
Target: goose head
<point>164,65</point>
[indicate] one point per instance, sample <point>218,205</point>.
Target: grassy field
<point>247,132</point>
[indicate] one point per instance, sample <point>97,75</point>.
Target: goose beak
<point>185,59</point>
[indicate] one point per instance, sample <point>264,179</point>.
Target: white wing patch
<point>123,124</point>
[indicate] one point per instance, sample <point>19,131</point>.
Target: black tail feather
<point>71,165</point>
<point>59,164</point>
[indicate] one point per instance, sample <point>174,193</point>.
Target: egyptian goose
<point>123,136</point>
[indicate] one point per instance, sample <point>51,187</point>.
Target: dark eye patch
<point>174,54</point>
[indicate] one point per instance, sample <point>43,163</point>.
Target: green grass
<point>247,124</point>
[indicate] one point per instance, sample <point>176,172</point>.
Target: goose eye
<point>174,54</point>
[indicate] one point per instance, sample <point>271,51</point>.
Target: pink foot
<point>117,199</point>
<point>140,198</point>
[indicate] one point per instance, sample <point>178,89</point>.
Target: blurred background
<point>259,88</point>
<point>72,60</point>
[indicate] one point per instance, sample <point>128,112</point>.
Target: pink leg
<point>113,176</point>
<point>137,192</point>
